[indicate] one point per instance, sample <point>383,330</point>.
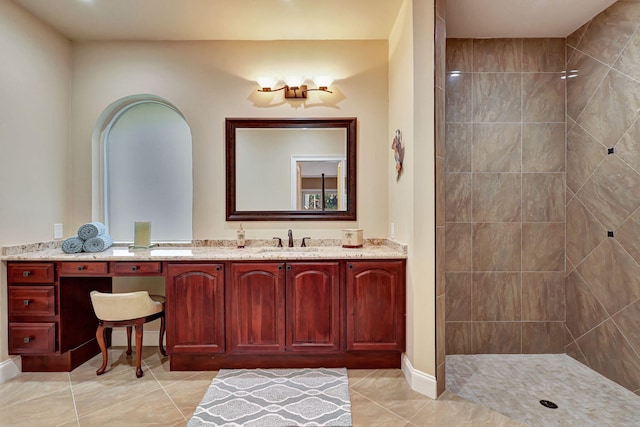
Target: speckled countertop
<point>212,250</point>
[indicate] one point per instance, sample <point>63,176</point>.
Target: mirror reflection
<point>281,169</point>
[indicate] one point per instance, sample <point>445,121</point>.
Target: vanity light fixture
<point>293,85</point>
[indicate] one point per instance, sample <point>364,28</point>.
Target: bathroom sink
<point>287,250</point>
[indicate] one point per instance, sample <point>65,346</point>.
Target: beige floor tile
<point>32,385</point>
<point>47,410</point>
<point>388,388</point>
<point>154,408</point>
<point>187,393</point>
<point>355,375</point>
<point>366,413</point>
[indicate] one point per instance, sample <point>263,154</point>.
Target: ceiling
<point>300,19</point>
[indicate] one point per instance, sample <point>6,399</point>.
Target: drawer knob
<point>80,267</point>
<point>134,268</point>
<point>26,273</point>
<point>25,302</point>
<point>26,340</point>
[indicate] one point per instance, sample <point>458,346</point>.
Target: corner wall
<point>603,194</point>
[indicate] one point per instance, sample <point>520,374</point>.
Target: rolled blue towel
<point>98,243</point>
<point>72,245</point>
<point>91,229</point>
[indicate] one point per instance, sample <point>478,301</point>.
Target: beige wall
<point>208,81</point>
<point>34,89</point>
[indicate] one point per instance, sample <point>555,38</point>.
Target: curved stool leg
<point>129,340</point>
<point>162,332</point>
<point>139,329</point>
<point>100,333</point>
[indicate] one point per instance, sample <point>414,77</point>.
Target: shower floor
<point>514,385</point>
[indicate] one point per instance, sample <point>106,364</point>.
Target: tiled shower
<point>542,187</point>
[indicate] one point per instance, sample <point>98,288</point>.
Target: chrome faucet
<point>290,233</point>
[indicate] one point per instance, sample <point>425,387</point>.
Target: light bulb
<point>266,82</point>
<point>323,82</point>
<point>294,81</point>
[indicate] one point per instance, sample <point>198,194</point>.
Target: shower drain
<point>548,404</point>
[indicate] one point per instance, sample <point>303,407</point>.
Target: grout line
<point>73,399</point>
<point>383,407</point>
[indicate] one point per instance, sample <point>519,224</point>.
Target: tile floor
<point>514,385</point>
<point>163,398</point>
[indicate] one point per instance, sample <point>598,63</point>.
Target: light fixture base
<point>299,92</point>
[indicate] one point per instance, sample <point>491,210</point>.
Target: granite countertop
<point>211,251</point>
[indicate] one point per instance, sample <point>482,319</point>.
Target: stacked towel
<point>91,229</point>
<point>72,245</point>
<point>98,243</point>
<point>92,237</point>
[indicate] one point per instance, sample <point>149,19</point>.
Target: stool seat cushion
<point>124,306</point>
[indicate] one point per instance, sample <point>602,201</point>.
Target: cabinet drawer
<point>137,268</point>
<point>32,301</point>
<point>30,273</point>
<point>32,338</point>
<point>83,268</point>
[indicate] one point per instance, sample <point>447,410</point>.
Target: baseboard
<point>10,368</point>
<point>149,338</point>
<point>419,381</point>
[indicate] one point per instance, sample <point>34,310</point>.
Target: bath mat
<point>276,397</point>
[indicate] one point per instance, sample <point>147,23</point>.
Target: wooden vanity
<point>225,311</point>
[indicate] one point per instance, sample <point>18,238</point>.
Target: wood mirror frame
<point>232,214</point>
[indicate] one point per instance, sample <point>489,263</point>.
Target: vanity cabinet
<point>195,308</point>
<point>375,305</point>
<point>283,307</point>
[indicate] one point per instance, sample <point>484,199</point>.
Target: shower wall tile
<point>543,96</point>
<point>627,322</point>
<point>574,38</point>
<point>458,93</point>
<point>458,197</point>
<point>543,147</point>
<point>440,60</point>
<point>440,330</point>
<point>496,246</point>
<point>585,80</point>
<point>496,337</point>
<point>584,232</point>
<point>496,97</point>
<point>605,344</point>
<point>458,338</point>
<point>497,55</point>
<point>496,197</point>
<point>543,246</point>
<point>627,148</point>
<point>610,30</point>
<point>459,55</point>
<point>458,297</point>
<point>574,351</point>
<point>543,297</point>
<point>497,147</point>
<point>440,254</point>
<point>629,60</point>
<point>543,55</point>
<point>543,337</point>
<point>612,274</point>
<point>628,235</point>
<point>613,108</point>
<point>440,191</point>
<point>458,141</point>
<point>584,311</point>
<point>543,197</point>
<point>440,126</point>
<point>496,296</point>
<point>458,247</point>
<point>584,154</point>
<point>612,193</point>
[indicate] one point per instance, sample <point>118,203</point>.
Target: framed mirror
<point>291,169</point>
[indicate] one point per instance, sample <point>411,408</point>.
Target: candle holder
<point>142,235</point>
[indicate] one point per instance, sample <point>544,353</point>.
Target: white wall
<point>34,89</point>
<point>209,81</point>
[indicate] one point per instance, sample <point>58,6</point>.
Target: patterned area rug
<point>276,397</point>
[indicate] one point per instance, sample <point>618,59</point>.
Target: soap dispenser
<point>240,237</point>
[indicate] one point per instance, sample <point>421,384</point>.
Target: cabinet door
<point>255,321</point>
<point>375,305</point>
<point>195,308</point>
<point>313,307</point>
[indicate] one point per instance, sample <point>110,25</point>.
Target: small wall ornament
<point>398,152</point>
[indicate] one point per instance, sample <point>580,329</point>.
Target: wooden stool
<point>127,309</point>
